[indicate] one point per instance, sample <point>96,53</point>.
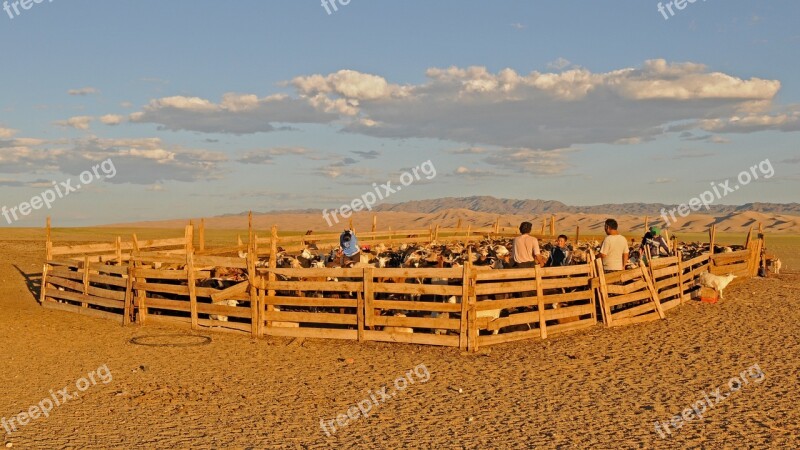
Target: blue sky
<point>210,108</point>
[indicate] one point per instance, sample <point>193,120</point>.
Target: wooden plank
<point>105,268</point>
<point>369,298</point>
<point>191,282</point>
<point>702,259</point>
<point>225,326</point>
<point>556,283</point>
<point>106,293</point>
<point>162,288</point>
<point>571,326</point>
<point>83,299</point>
<point>173,305</point>
<point>68,284</point>
<point>412,338</point>
<point>628,298</point>
<point>647,308</point>
<point>568,311</point>
<point>128,309</point>
<point>306,317</point>
<point>108,279</point>
<point>328,286</point>
<point>417,322</point>
<point>661,262</point>
<point>653,293</point>
<point>413,288</point>
<point>224,310</point>
<point>604,300</point>
<point>160,274</point>
<point>311,302</point>
<point>466,281</point>
<point>540,298</point>
<point>417,306</point>
<point>233,291</point>
<point>220,261</point>
<point>90,312</point>
<point>83,249</point>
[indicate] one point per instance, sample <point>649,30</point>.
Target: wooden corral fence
<point>169,281</point>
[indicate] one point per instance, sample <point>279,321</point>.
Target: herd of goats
<point>489,253</point>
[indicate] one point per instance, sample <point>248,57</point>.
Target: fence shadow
<point>33,281</point>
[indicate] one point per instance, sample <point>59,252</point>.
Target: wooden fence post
<point>601,274</point>
<point>472,313</point>
<point>48,256</point>
<point>680,279</point>
<point>273,264</point>
<point>374,223</point>
<point>712,236</point>
<point>653,292</point>
<point>255,309</point>
<point>577,234</point>
<point>190,276</point>
<point>552,225</point>
<point>141,294</point>
<point>463,335</point>
<point>128,309</point>
<point>201,235</point>
<point>85,280</point>
<point>540,298</point>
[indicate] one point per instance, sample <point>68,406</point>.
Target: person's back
<point>614,249</point>
<point>525,249</point>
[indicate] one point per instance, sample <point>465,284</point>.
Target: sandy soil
<point>601,388</point>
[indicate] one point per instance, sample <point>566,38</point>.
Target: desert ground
<point>599,388</point>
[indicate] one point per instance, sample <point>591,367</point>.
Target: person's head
<point>347,236</point>
<point>562,241</point>
<point>655,231</point>
<point>611,226</point>
<point>525,227</point>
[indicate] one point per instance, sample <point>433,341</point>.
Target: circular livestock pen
<point>434,286</point>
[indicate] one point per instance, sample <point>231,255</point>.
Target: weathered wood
<point>369,298</point>
<point>540,303</point>
<point>411,338</point>
<point>320,333</point>
<point>90,312</point>
<point>411,288</point>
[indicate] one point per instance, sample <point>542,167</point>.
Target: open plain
<point>598,388</point>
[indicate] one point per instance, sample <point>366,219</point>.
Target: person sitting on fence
<point>655,243</point>
<point>614,250</point>
<point>561,254</point>
<point>526,248</point>
<point>349,244</point>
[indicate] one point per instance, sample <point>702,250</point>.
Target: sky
<point>178,109</point>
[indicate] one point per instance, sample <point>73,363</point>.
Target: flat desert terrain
<point>599,388</point>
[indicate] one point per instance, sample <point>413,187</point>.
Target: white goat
<point>776,266</point>
<point>226,303</point>
<point>716,282</point>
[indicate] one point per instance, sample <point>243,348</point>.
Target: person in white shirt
<point>614,250</point>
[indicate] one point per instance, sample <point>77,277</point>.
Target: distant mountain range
<point>492,205</point>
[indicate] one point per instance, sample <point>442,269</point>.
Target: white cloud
<point>558,64</point>
<point>506,109</point>
<point>137,161</point>
<point>6,133</point>
<point>83,91</point>
<point>77,122</point>
<point>112,119</point>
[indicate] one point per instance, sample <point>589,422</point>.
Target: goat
<point>226,303</point>
<point>716,282</point>
<point>776,266</point>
